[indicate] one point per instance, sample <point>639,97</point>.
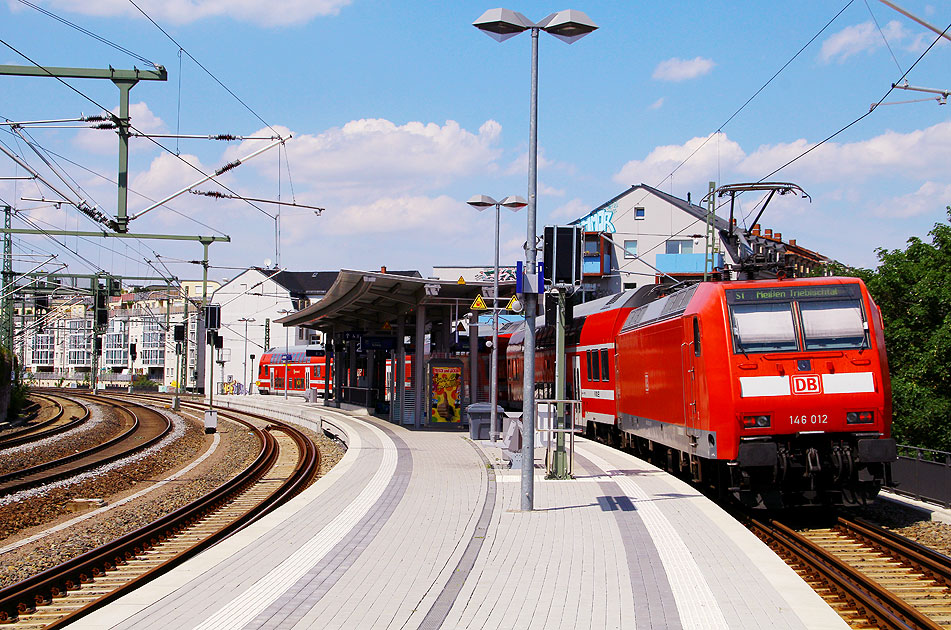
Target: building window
<point>639,213</point>
<point>679,247</point>
<point>630,285</point>
<point>630,249</point>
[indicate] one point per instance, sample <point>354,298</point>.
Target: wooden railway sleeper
<point>863,586</point>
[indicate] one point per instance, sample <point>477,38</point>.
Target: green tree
<point>912,288</point>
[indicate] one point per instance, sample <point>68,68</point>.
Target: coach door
<point>690,351</point>
<point>575,394</point>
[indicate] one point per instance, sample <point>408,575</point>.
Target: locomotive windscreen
<point>766,327</point>
<point>772,319</point>
<point>833,325</point>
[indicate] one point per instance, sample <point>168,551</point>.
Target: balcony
<point>685,263</point>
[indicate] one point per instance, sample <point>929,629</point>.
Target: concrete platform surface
<point>422,529</point>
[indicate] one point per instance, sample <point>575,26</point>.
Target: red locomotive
<point>774,390</point>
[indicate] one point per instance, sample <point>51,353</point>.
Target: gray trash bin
<point>480,420</point>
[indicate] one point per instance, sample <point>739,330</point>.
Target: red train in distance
<point>305,368</point>
<point>776,391</point>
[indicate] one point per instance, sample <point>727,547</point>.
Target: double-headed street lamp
<point>285,311</point>
<point>244,370</point>
<point>480,203</point>
<point>568,26</point>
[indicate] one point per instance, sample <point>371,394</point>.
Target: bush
<point>18,399</point>
<point>143,382</point>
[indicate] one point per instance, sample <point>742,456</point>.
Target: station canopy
<point>371,301</point>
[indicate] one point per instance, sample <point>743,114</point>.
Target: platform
<point>422,529</point>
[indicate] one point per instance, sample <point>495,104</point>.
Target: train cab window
<point>605,370</point>
<point>763,328</point>
<point>696,337</point>
<point>833,325</point>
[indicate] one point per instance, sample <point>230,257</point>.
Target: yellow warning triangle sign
<point>514,305</point>
<point>386,326</point>
<point>461,280</point>
<point>478,304</point>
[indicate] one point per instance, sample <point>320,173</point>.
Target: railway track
<point>145,428</point>
<point>287,462</point>
<point>59,422</point>
<point>872,577</point>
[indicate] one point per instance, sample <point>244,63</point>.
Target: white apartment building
<point>56,344</point>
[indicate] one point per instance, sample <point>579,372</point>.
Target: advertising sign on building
<point>445,391</point>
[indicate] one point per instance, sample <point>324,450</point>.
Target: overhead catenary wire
<point>753,96</point>
<point>89,33</point>
<point>866,114</point>
<point>200,65</point>
<point>130,126</point>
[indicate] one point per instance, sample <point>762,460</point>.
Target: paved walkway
<point>421,530</point>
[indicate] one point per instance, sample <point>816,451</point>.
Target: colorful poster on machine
<point>445,391</point>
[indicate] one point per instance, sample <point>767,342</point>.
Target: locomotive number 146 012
<point>815,418</point>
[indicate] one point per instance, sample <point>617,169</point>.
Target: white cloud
<point>519,166</point>
<point>657,104</point>
<point>368,158</point>
<point>389,215</point>
<point>549,191</point>
<point>922,153</point>
<point>676,69</point>
<point>570,211</point>
<point>931,196</point>
<point>705,157</point>
<point>104,142</point>
<point>273,13</point>
<point>859,38</point>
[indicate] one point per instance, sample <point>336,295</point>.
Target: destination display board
<point>788,294</point>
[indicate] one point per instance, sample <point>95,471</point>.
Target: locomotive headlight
<point>859,417</point>
<point>755,422</point>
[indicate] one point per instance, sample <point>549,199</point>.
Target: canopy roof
<point>365,300</point>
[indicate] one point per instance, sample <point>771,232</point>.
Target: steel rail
<point>8,483</point>
<point>30,434</point>
<point>868,596</point>
<point>935,564</point>
<point>24,596</point>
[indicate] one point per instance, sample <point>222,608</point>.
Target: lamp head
<point>514,203</point>
<point>568,25</point>
<point>501,24</point>
<point>481,202</point>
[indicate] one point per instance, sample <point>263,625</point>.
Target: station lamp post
<point>244,370</point>
<point>480,203</point>
<point>285,311</point>
<point>569,26</point>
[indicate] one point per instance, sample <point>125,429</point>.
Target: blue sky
<point>402,111</point>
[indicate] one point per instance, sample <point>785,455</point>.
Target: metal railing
<point>546,413</point>
<point>923,474</point>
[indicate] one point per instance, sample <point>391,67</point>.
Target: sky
<point>397,113</point>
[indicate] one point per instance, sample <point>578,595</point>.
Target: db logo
<point>808,384</point>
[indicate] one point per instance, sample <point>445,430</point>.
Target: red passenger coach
<point>305,368</point>
<point>776,389</point>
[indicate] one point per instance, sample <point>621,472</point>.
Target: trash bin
<point>480,420</point>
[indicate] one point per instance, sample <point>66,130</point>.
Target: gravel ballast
<point>237,449</point>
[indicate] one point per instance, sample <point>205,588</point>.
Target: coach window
<point>696,337</point>
<point>833,325</point>
<point>605,370</point>
<point>595,366</point>
<point>763,328</point>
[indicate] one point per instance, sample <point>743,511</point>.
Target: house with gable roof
<point>647,236</point>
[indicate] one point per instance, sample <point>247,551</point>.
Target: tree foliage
<point>913,289</point>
